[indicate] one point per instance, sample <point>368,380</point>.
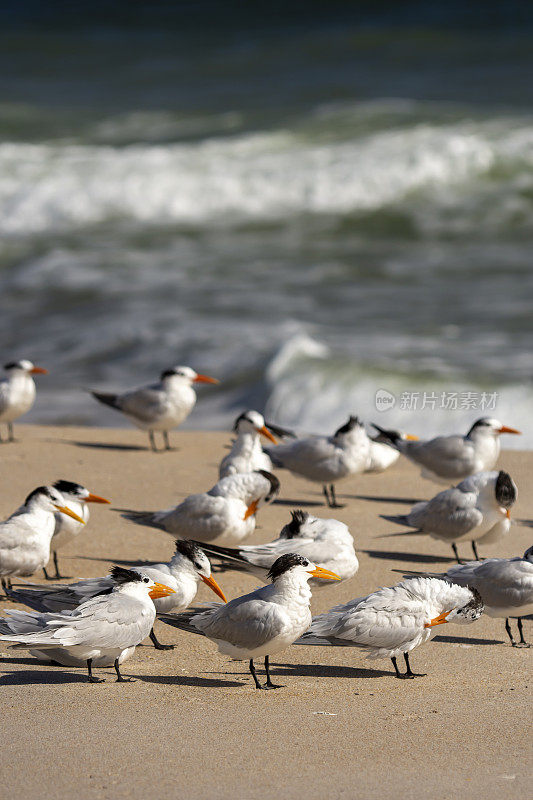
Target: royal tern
<point>505,586</point>
<point>160,406</point>
<point>226,512</point>
<point>182,573</point>
<point>104,629</point>
<point>247,454</point>
<point>26,535</point>
<point>326,459</point>
<point>76,498</point>
<point>17,392</point>
<point>263,622</point>
<point>326,542</point>
<point>382,454</point>
<point>394,620</point>
<point>447,459</point>
<point>476,510</point>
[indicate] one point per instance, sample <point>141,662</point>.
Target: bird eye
<point>146,580</point>
<point>306,563</point>
<point>197,565</point>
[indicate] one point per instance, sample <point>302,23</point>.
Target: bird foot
<point>120,679</point>
<point>410,675</point>
<point>160,646</point>
<point>58,577</point>
<point>273,686</point>
<point>521,644</point>
<point>92,679</point>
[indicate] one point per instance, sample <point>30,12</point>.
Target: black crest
<point>121,575</point>
<point>284,563</point>
<point>188,549</point>
<point>477,601</point>
<point>483,422</point>
<point>349,426</point>
<point>39,490</point>
<point>293,528</point>
<point>68,487</point>
<point>505,490</point>
<point>274,483</point>
<point>12,365</point>
<point>239,418</point>
<point>168,372</point>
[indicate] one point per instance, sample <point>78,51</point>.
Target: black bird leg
<point>476,554</point>
<point>92,678</point>
<point>6,585</point>
<point>326,495</point>
<point>166,440</point>
<point>58,576</point>
<point>254,676</point>
<point>509,632</point>
<point>455,552</point>
<point>410,673</point>
<point>395,665</point>
<point>521,632</point>
<point>152,441</point>
<point>269,684</point>
<point>157,643</point>
<point>120,679</point>
<point>47,577</point>
<point>10,431</point>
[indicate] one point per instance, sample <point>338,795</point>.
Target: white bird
<point>17,392</point>
<point>326,459</point>
<point>505,586</point>
<point>395,620</point>
<point>263,622</point>
<point>476,510</point>
<point>76,498</point>
<point>326,542</point>
<point>224,513</point>
<point>160,406</point>
<point>182,573</point>
<point>382,454</point>
<point>446,459</point>
<point>104,629</point>
<point>247,453</point>
<point>26,535</point>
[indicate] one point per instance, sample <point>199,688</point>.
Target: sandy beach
<point>193,726</point>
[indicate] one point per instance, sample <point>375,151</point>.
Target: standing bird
<point>104,629</point>
<point>476,510</point>
<point>447,459</point>
<point>26,535</point>
<point>326,542</point>
<point>226,512</point>
<point>17,392</point>
<point>182,573</point>
<point>382,454</point>
<point>263,622</point>
<point>247,453</point>
<point>160,406</point>
<point>76,498</point>
<point>505,586</point>
<point>326,459</point>
<point>393,621</point>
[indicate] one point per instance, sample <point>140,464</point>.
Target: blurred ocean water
<point>312,207</point>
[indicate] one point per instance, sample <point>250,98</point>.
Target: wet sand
<point>193,726</point>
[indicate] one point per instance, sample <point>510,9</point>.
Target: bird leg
<point>6,585</point>
<point>120,679</point>
<point>455,552</point>
<point>523,642</point>
<point>326,495</point>
<point>254,676</point>
<point>58,576</point>
<point>92,678</point>
<point>395,665</point>
<point>166,440</point>
<point>410,673</point>
<point>509,632</point>
<point>47,577</point>
<point>269,684</point>
<point>152,441</point>
<point>333,496</point>
<point>476,554</point>
<point>157,644</point>
<point>10,432</point>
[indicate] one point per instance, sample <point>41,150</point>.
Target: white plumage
<point>17,391</point>
<point>246,454</point>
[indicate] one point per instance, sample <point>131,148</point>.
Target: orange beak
<point>205,379</point>
<point>39,371</point>
<point>264,430</point>
<point>69,513</point>
<point>252,508</point>
<point>411,437</point>
<point>95,498</point>
<point>211,582</point>
<point>319,572</point>
<point>440,620</point>
<point>505,429</point>
<point>508,513</point>
<point>160,590</point>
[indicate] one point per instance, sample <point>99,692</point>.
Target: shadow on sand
<point>416,558</point>
<point>187,680</point>
<point>410,501</point>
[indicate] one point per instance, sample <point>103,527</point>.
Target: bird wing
<point>365,625</point>
<point>146,403</point>
<point>451,513</point>
<point>247,623</point>
<point>445,455</point>
<point>4,396</point>
<point>59,597</point>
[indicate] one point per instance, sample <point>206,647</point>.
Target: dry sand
<point>192,726</point>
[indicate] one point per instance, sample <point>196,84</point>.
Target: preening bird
<point>326,542</point>
<point>76,498</point>
<point>247,453</point>
<point>393,621</point>
<point>263,622</point>
<point>326,459</point>
<point>182,573</point>
<point>505,586</point>
<point>26,535</point>
<point>447,459</point>
<point>17,392</point>
<point>104,629</point>
<point>476,510</point>
<point>224,513</point>
<point>160,406</point>
<point>382,454</point>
